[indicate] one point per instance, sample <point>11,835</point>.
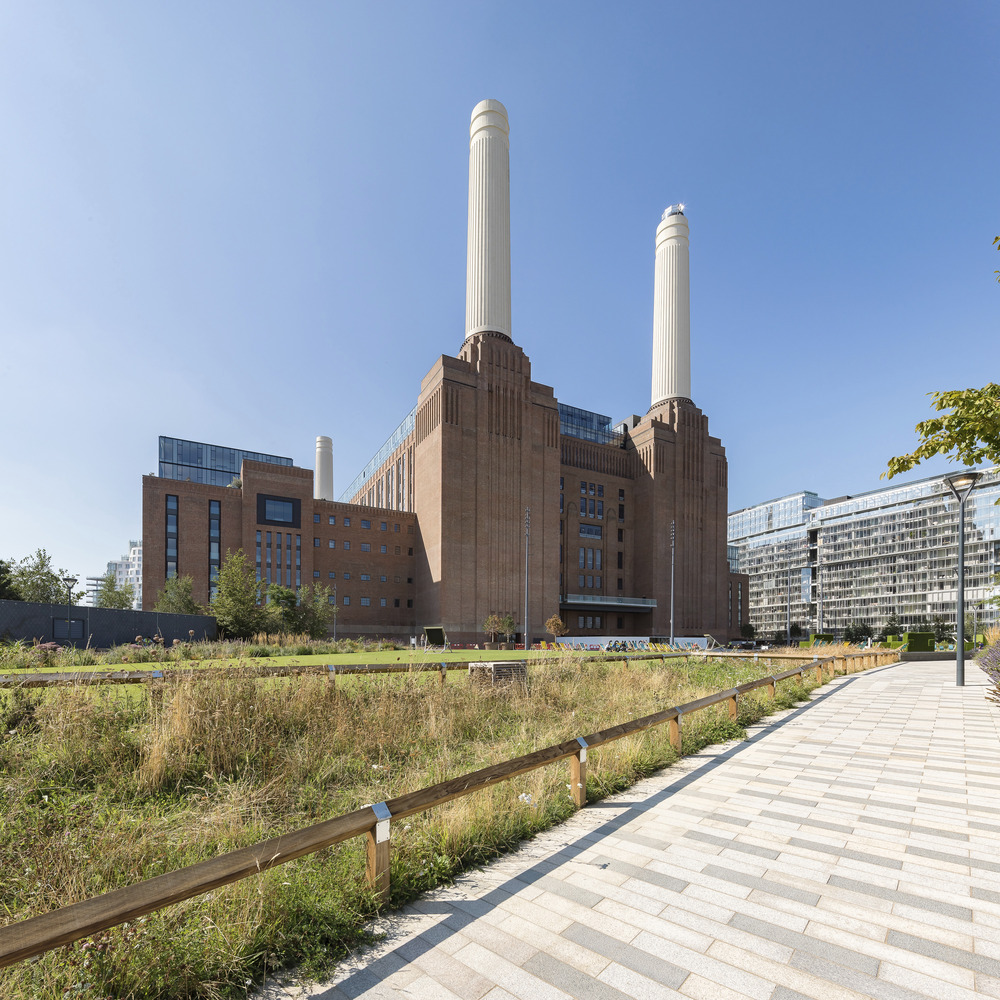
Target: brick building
<point>434,528</point>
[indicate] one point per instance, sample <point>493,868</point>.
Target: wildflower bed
<point>104,789</point>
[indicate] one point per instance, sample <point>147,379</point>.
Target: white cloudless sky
<point>245,224</point>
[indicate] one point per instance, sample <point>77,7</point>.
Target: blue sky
<point>245,223</point>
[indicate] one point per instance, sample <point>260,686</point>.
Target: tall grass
<point>105,788</point>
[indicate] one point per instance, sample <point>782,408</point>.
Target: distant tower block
<point>487,289</point>
<point>323,478</point>
<point>672,309</point>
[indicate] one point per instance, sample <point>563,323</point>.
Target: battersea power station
<point>491,496</point>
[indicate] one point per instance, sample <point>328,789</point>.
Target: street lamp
<point>335,610</point>
<point>70,582</point>
<point>961,485</point>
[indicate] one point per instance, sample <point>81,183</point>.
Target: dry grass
<point>104,788</point>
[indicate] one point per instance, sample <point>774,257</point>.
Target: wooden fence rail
<point>36,935</point>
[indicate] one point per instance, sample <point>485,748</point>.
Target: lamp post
<point>527,542</point>
<point>70,582</point>
<point>335,610</point>
<point>961,485</point>
<point>673,546</point>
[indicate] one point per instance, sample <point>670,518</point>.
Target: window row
<point>346,520</point>
<point>366,602</point>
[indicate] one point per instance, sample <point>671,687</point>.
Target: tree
<point>891,627</point>
<point>307,611</point>
<point>176,597</point>
<point>110,595</point>
<point>555,627</point>
<point>36,580</point>
<point>508,626</point>
<point>944,630</point>
<point>8,589</point>
<point>858,632</point>
<point>237,601</point>
<point>493,626</point>
<point>748,631</point>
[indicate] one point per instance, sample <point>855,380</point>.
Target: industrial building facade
<point>491,496</point>
<point>827,564</point>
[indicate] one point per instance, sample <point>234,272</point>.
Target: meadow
<point>106,786</point>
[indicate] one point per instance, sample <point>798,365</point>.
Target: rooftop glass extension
<point>212,464</point>
<point>586,425</point>
<point>397,437</point>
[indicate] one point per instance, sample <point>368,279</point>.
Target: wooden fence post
<point>731,702</point>
<point>378,852</point>
<point>819,672</point>
<point>444,672</point>
<point>772,689</point>
<point>578,774</point>
<point>674,726</point>
<point>332,673</point>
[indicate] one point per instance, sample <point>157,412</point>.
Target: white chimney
<point>323,476</point>
<point>487,289</point>
<point>671,309</point>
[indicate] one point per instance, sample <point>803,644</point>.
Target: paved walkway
<point>848,849</point>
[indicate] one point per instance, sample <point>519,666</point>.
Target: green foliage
<point>944,629</point>
<point>237,604</point>
<point>891,627</point>
<point>35,580</point>
<point>8,589</point>
<point>175,597</point>
<point>748,631</point>
<point>307,612</point>
<point>919,642</point>
<point>858,632</point>
<point>508,626</point>
<point>967,432</point>
<point>110,595</point>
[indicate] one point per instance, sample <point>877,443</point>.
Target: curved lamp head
<point>961,483</point>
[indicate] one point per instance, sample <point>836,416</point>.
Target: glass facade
<point>824,565</point>
<point>586,425</point>
<point>206,463</point>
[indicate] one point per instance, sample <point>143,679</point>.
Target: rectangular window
<point>409,602</point>
<point>398,550</point>
<point>315,518</point>
<point>383,526</point>
<point>347,576</point>
<point>620,584</point>
<point>591,491</point>
<point>347,522</point>
<point>621,494</point>
<point>590,583</point>
<point>590,531</point>
<point>366,602</point>
<point>590,558</point>
<point>332,599</point>
<point>590,622</point>
<point>395,602</point>
<point>316,543</point>
<point>381,602</point>
<point>347,545</point>
<point>332,543</point>
<point>365,524</point>
<point>621,512</point>
<point>600,509</point>
<point>395,528</point>
<point>366,547</point>
<point>332,519</point>
<point>346,601</point>
<point>621,535</point>
<point>315,574</point>
<point>621,558</point>
<point>382,578</point>
<point>561,506</point>
<point>597,559</point>
<point>581,581</point>
<point>583,558</point>
<point>383,549</point>
<point>583,489</point>
<point>621,622</point>
<point>409,552</point>
<point>332,575</point>
<point>600,489</point>
<point>171,537</point>
<point>580,621</point>
<point>597,621</point>
<point>278,510</point>
<point>597,582</point>
<point>366,576</point>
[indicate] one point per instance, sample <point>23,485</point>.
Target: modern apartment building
<point>826,564</point>
<point>492,495</point>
